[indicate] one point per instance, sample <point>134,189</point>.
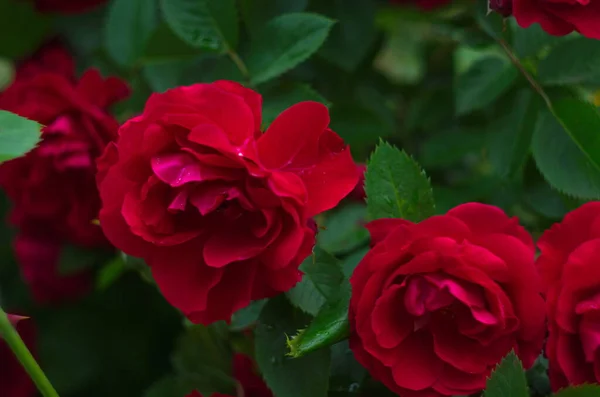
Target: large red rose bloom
<point>53,188</point>
<point>571,277</point>
<point>14,381</point>
<point>220,211</point>
<point>436,305</point>
<point>560,17</point>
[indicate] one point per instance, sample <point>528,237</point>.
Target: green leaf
<point>509,137</point>
<point>164,45</point>
<point>353,36</point>
<point>22,29</point>
<point>277,99</point>
<point>202,359</point>
<point>256,13</point>
<point>329,326</point>
<point>18,135</point>
<point>492,23</point>
<point>285,42</point>
<point>346,373</point>
<point>325,272</point>
<point>111,272</point>
<point>305,296</point>
<point>573,61</point>
<point>530,41</point>
<point>351,261</point>
<point>168,386</point>
<point>396,186</point>
<point>344,229</point>
<point>206,24</point>
<point>508,379</point>
<point>580,391</point>
<point>130,23</point>
<point>302,377</point>
<point>581,120</point>
<point>247,316</point>
<point>483,83</point>
<point>322,278</point>
<point>561,161</point>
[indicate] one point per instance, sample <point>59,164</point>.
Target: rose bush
<point>560,17</point>
<point>436,305</point>
<point>568,265</point>
<point>220,211</point>
<point>52,189</point>
<point>423,4</point>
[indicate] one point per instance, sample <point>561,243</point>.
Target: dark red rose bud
<point>502,7</point>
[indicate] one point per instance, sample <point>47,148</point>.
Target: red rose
<point>14,381</point>
<point>359,190</point>
<point>571,278</point>
<point>436,305</point>
<point>423,4</point>
<point>53,188</point>
<point>244,371</point>
<point>502,7</point>
<point>67,6</point>
<point>560,17</point>
<point>220,211</point>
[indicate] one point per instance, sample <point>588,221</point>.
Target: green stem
<point>16,344</point>
<point>239,63</point>
<point>534,84</point>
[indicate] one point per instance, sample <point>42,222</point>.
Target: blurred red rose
<point>244,371</point>
<point>560,17</point>
<point>14,381</point>
<point>53,188</point>
<point>502,7</point>
<point>436,305</point>
<point>220,211</point>
<point>67,6</point>
<point>571,278</point>
<point>423,4</point>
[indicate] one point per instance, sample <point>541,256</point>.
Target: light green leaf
<point>277,99</point>
<point>257,13</point>
<point>301,377</point>
<point>509,137</point>
<point>580,391</point>
<point>573,61</point>
<point>206,24</point>
<point>561,161</point>
<point>130,23</point>
<point>285,42</point>
<point>396,186</point>
<point>325,272</point>
<point>508,379</point>
<point>483,83</point>
<point>18,135</point>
